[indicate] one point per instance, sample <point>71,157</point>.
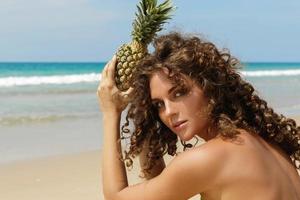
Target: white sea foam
<point>93,77</point>
<point>41,80</point>
<point>258,73</point>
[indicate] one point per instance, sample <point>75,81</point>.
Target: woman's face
<point>184,111</point>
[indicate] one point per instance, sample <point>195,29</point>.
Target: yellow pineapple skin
<point>128,56</point>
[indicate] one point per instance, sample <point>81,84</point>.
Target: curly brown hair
<point>233,102</point>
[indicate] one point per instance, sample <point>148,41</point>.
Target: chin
<point>186,136</point>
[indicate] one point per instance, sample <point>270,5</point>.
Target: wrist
<point>111,118</point>
<point>111,113</point>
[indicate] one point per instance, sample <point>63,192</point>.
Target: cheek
<point>199,112</point>
<point>196,109</point>
<point>201,117</point>
<point>163,119</point>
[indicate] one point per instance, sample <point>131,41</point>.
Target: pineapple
<point>149,20</point>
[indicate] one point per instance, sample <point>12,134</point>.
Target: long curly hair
<point>233,102</point>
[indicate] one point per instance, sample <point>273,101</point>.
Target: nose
<point>170,108</point>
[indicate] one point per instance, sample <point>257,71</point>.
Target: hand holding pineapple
<point>149,20</point>
<point>111,99</point>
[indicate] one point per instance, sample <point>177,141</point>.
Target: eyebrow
<point>169,92</point>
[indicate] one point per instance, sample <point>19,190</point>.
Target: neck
<point>209,133</point>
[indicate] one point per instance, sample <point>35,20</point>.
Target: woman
<point>188,88</point>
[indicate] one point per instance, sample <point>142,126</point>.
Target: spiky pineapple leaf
<point>149,19</point>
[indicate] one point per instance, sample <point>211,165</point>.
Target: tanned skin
<point>229,169</point>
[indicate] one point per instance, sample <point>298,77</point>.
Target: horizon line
<point>94,61</point>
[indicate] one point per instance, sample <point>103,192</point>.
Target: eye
<point>180,92</point>
<point>158,104</point>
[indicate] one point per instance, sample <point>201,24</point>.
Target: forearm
<point>114,177</point>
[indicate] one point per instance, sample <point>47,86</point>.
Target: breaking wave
<point>42,80</point>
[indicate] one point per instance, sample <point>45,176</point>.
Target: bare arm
<point>114,177</point>
<point>112,103</point>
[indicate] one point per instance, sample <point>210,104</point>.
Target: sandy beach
<point>74,176</point>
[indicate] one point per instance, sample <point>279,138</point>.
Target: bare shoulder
<point>212,152</point>
<point>191,172</point>
<point>204,163</point>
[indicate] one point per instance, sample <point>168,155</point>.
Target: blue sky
<point>92,30</point>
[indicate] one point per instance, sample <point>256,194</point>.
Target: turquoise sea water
<point>52,108</point>
<point>48,92</point>
<point>268,66</point>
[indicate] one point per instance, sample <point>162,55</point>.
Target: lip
<point>179,125</point>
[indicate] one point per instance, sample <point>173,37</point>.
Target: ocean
<point>49,108</point>
<point>47,92</point>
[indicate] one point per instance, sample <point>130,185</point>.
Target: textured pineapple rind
<point>127,59</point>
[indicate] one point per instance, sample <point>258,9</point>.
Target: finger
<point>104,71</point>
<point>106,66</point>
<point>111,68</point>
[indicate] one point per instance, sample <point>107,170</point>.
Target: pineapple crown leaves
<point>149,20</point>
